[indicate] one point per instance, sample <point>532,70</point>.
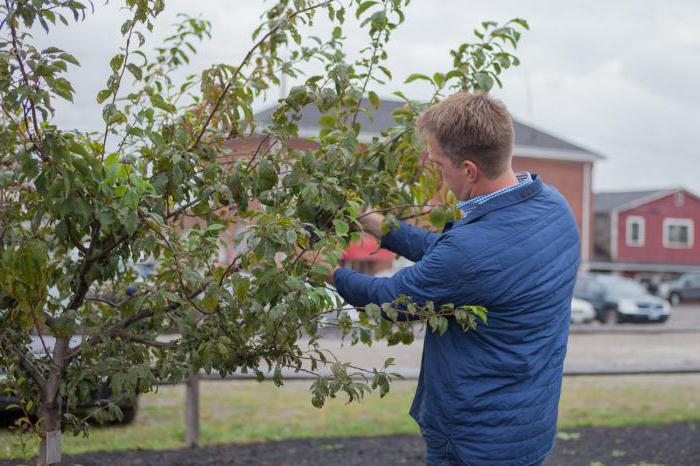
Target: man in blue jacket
<point>488,397</point>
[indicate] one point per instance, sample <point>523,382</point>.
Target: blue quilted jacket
<point>493,393</point>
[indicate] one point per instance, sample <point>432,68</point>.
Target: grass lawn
<point>249,411</point>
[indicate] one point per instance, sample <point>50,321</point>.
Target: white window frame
<point>632,219</point>
<point>682,222</point>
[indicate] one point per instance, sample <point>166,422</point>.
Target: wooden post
<point>192,410</point>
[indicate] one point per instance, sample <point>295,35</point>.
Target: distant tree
<point>79,210</point>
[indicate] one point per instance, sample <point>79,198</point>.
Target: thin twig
<point>403,206</point>
<point>375,45</point>
<point>118,84</point>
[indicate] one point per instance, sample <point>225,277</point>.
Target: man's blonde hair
<point>472,126</point>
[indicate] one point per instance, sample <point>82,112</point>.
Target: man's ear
<point>471,170</point>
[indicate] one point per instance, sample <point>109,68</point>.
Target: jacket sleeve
<point>409,241</point>
<point>438,277</point>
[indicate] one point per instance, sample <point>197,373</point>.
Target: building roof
<point>607,202</point>
<point>529,141</point>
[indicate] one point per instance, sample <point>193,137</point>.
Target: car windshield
<point>623,288</point>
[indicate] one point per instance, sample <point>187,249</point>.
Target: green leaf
<point>51,50</point>
<point>103,95</point>
<point>521,22</point>
<point>131,222</point>
<point>373,311</point>
<point>417,76</point>
<point>485,81</point>
<point>385,70</point>
<point>112,115</point>
<point>267,175</point>
<point>443,324</point>
<point>363,7</point>
<point>374,99</point>
<point>214,227</point>
<point>438,217</point>
<point>69,58</point>
<point>327,121</point>
<point>159,102</point>
<point>111,162</point>
<point>116,62</point>
<point>135,71</point>
<point>62,87</point>
<point>106,218</point>
<point>480,312</point>
<point>341,227</point>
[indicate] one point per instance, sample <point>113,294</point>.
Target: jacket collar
<point>507,199</point>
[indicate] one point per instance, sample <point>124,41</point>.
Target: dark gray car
<point>620,299</point>
<point>684,288</point>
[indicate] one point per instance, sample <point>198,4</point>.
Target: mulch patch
<point>668,445</point>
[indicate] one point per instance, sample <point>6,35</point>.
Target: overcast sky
<point>618,77</point>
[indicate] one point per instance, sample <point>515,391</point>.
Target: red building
<point>647,232</point>
<point>566,166</point>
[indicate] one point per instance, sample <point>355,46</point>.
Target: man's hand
<point>372,222</point>
<point>316,258</point>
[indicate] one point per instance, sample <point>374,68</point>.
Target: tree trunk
<point>50,409</point>
<point>192,410</point>
<point>50,446</point>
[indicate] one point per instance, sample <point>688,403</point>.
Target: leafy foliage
<point>80,211</point>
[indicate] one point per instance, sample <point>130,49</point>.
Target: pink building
<point>647,232</point>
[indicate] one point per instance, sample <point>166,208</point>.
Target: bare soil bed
<point>668,445</point>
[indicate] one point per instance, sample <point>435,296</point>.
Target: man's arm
<point>438,277</point>
<point>408,241</point>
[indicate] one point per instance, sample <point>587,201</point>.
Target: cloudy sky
<point>620,78</point>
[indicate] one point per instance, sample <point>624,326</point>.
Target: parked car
<point>581,311</point>
<point>620,299</point>
<point>684,288</point>
<point>98,397</point>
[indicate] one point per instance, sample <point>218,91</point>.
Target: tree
<point>79,210</point>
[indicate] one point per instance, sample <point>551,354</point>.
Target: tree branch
<point>144,341</point>
<point>25,78</point>
<point>244,62</point>
<point>142,314</point>
<point>83,285</point>
<point>388,143</point>
<point>27,365</point>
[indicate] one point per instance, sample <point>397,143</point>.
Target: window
<point>693,281</point>
<point>635,231</point>
<point>678,233</point>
